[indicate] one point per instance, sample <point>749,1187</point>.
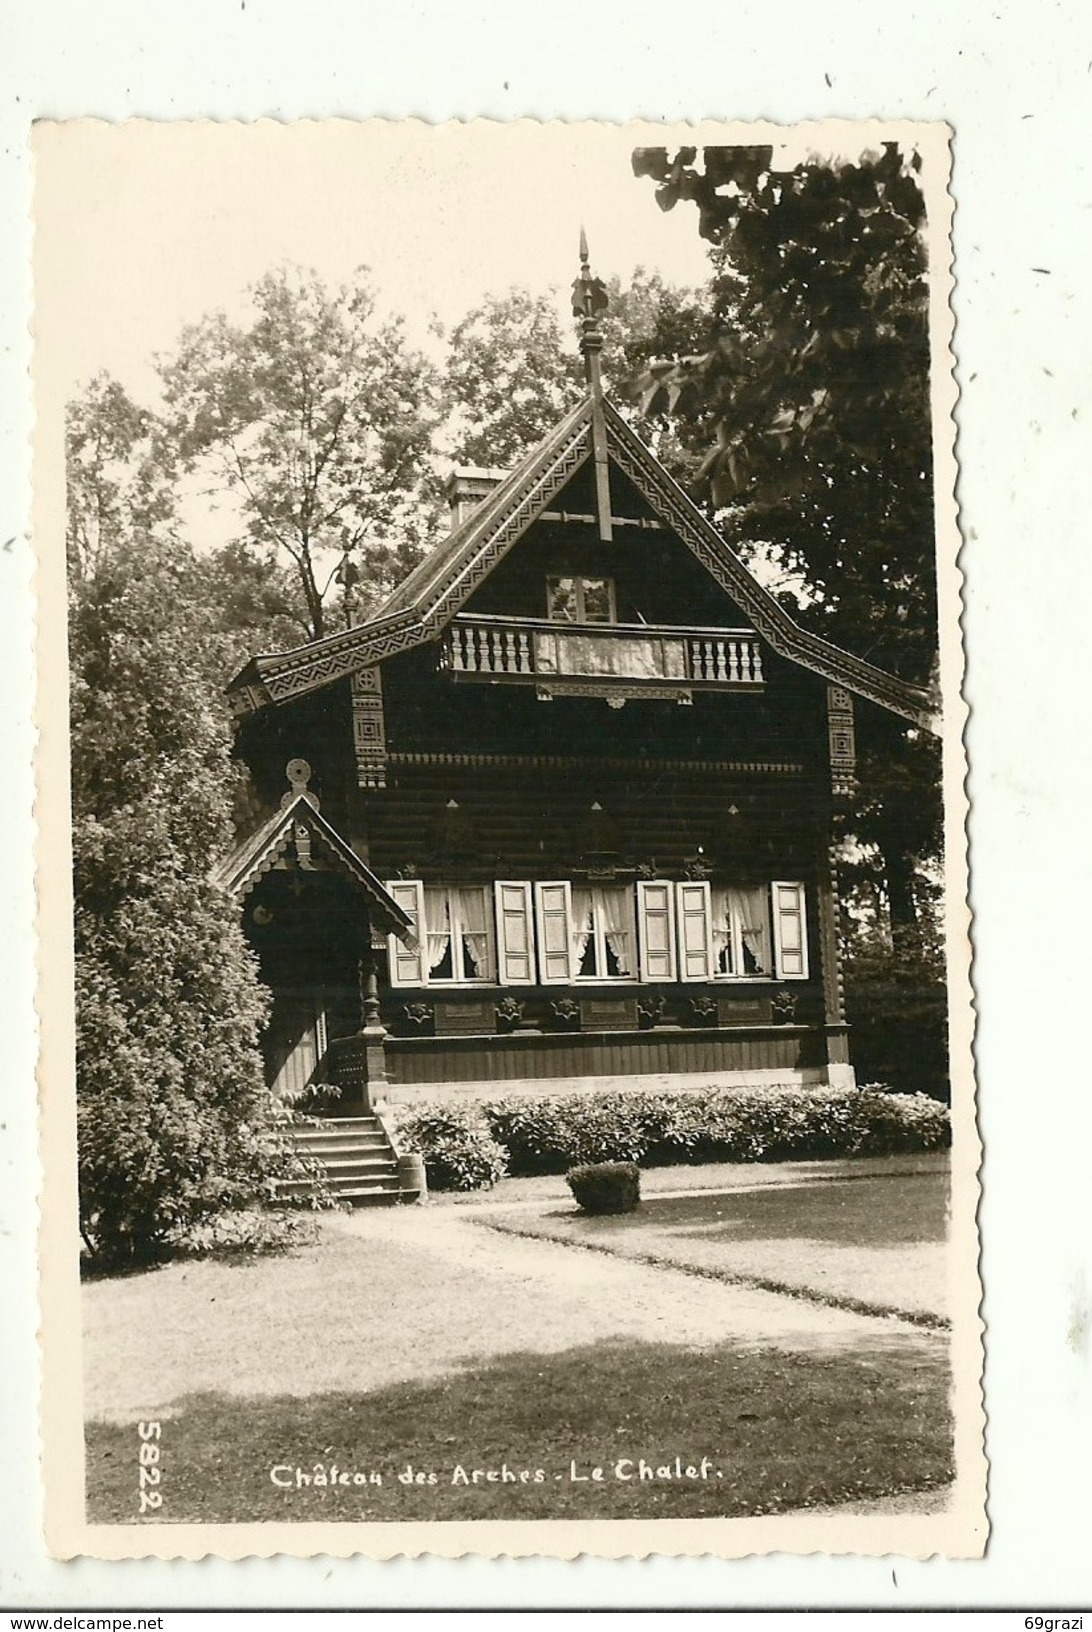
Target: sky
<point>144,227</point>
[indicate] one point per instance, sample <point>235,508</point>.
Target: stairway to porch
<point>357,1157</point>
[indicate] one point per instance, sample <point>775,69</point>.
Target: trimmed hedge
<point>459,1150</point>
<point>606,1187</point>
<point>468,1147</point>
<point>551,1134</point>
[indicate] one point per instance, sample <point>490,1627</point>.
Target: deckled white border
<point>1017,95</point>
<point>960,1531</point>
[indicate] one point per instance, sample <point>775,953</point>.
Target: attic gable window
<point>580,600</point>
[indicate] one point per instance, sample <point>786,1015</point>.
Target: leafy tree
<point>119,472</point>
<point>174,1119</point>
<point>514,368</point>
<point>814,399</point>
<point>651,323</point>
<point>316,418</point>
<point>512,372</point>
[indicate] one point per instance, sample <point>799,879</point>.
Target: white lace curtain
<point>437,927</point>
<point>614,907</point>
<point>583,909</point>
<point>609,910</point>
<point>462,913</point>
<point>749,909</point>
<point>468,908</point>
<point>723,954</point>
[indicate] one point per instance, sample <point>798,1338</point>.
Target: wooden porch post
<point>839,1072</point>
<point>373,1033</point>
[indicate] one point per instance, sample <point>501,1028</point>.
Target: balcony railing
<point>495,648</point>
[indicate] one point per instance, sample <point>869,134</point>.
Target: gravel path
<point>621,1298</point>
<point>412,1293</point>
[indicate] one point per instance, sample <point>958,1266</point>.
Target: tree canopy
<point>814,401</point>
<point>315,418</point>
<point>815,392</point>
<point>514,369</point>
<point>120,475</point>
<point>173,1113</point>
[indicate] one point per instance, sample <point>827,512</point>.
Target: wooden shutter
<point>515,934</point>
<point>656,927</point>
<point>790,931</point>
<point>408,968</point>
<point>695,931</point>
<point>553,912</point>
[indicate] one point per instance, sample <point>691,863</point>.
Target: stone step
<point>330,1144</point>
<point>357,1160</point>
<point>365,1119</point>
<point>378,1198</point>
<point>367,1163</point>
<point>361,1120</point>
<point>339,1183</point>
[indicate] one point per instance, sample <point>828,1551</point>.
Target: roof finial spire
<point>589,299</point>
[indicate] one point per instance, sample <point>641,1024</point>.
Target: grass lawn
<point>417,1337</point>
<point>872,1242</point>
<point>705,1176</point>
<point>776,1431</point>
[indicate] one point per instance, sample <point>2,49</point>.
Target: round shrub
<point>459,1151</point>
<point>606,1187</point>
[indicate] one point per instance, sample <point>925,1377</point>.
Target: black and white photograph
<point>514,1091</point>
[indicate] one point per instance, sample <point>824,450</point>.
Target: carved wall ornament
<point>843,745</point>
<point>783,1008</point>
<point>612,693</point>
<point>650,1010</point>
<point>301,837</point>
<point>418,1015</point>
<point>566,1012</point>
<point>510,1013</point>
<point>704,1010</point>
<point>369,727</point>
<point>298,772</point>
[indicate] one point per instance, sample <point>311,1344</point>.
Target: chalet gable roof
<point>436,590</point>
<point>299,822</point>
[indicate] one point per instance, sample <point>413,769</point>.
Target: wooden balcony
<point>559,657</point>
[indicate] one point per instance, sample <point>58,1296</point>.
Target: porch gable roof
<point>249,862</point>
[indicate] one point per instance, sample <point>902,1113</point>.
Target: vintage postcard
<point>506,1075</point>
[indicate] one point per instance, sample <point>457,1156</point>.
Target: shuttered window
<point>790,931</point>
<point>406,966</point>
<point>656,929</point>
<point>553,913</point>
<point>695,931</point>
<point>515,934</point>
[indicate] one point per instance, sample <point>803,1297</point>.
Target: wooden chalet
<point>562,810</point>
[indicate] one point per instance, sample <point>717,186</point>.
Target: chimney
<point>466,488</point>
